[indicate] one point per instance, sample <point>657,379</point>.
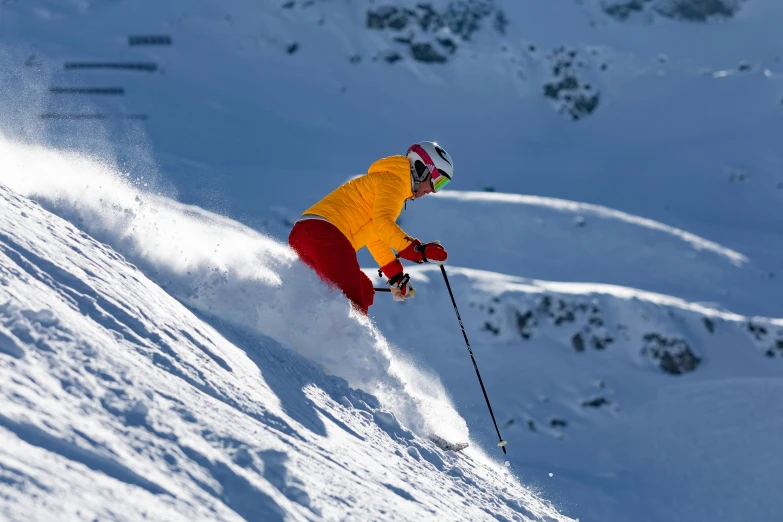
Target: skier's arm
<point>380,251</point>
<point>389,198</point>
<point>392,268</point>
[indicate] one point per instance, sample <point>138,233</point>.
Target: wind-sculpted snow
<point>119,403</point>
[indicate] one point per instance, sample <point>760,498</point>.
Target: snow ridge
<point>697,242</point>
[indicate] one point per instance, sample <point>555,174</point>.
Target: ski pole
<point>502,442</point>
<point>382,289</point>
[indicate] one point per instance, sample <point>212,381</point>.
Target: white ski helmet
<point>427,157</point>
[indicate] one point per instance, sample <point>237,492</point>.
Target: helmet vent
<point>421,170</point>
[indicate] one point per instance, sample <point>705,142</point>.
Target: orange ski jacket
<point>366,208</point>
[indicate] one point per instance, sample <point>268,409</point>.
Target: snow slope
<point>618,275</point>
<point>623,404</point>
<point>121,404</point>
<point>570,367</point>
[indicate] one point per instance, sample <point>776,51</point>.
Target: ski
<point>448,446</point>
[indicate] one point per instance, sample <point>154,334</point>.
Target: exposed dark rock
<point>687,10</point>
<point>738,176</point>
<point>697,10</point>
<point>560,312</point>
<point>531,425</point>
<point>673,354</point>
<point>391,57</point>
<point>425,52</point>
<point>573,96</point>
<point>756,330</point>
<point>448,44</point>
<point>544,304</point>
<point>501,22</point>
<point>558,423</point>
<point>389,17</point>
<point>567,316</point>
<point>578,342</point>
<point>709,324</point>
<point>601,342</point>
<point>525,322</point>
<point>423,22</point>
<point>596,402</point>
<point>623,10</point>
<point>292,48</point>
<point>776,349</point>
<point>489,327</point>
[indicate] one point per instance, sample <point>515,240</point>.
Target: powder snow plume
<point>229,273</point>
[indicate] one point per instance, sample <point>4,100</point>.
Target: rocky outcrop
<point>587,328</point>
<point>688,10</point>
<point>573,95</point>
<point>673,355</point>
<point>433,35</point>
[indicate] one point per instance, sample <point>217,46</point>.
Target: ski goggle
<point>439,182</point>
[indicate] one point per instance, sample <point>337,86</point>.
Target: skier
<point>363,212</point>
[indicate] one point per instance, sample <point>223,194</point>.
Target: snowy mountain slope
<point>257,109</point>
<point>121,404</point>
<point>633,406</point>
<point>570,367</point>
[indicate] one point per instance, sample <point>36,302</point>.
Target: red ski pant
<point>326,250</point>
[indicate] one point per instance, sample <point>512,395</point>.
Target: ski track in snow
<point>120,403</point>
<point>563,205</point>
